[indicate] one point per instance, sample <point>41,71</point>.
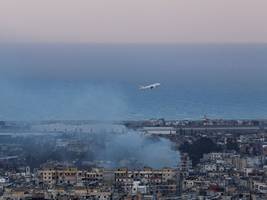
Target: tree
<point>198,148</point>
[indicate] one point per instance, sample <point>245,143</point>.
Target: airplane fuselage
<point>151,86</point>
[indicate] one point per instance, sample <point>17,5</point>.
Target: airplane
<point>152,86</point>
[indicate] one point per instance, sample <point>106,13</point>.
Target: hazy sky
<point>137,21</point>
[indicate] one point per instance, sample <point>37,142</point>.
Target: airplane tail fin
<point>141,87</point>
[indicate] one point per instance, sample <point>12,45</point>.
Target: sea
<point>101,81</point>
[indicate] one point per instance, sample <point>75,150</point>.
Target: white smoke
<point>133,149</point>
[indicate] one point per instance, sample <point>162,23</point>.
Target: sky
<point>133,21</point>
<point>53,67</point>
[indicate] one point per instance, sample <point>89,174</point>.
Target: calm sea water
<point>101,81</point>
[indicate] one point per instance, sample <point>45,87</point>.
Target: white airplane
<point>152,86</point>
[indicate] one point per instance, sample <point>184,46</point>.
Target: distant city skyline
<point>139,21</point>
